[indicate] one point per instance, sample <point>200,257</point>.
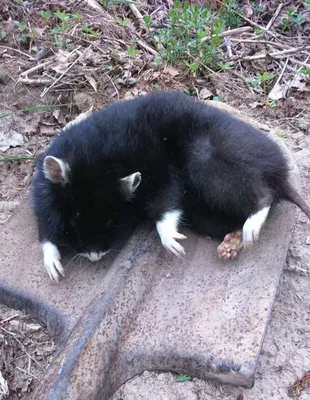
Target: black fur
<point>192,157</point>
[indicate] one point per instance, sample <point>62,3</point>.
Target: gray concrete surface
<point>146,310</point>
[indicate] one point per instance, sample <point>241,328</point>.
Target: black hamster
<point>163,157</point>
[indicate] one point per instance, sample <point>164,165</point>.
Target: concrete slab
<point>146,310</point>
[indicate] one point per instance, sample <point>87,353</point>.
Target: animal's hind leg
<point>230,246</point>
<point>234,241</point>
<point>253,225</point>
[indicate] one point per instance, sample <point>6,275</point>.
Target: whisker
<point>72,259</point>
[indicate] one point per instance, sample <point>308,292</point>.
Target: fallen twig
<point>277,54</point>
<point>137,14</point>
<point>252,23</point>
<point>230,32</point>
<point>276,14</point>
<point>17,51</point>
<point>147,47</point>
<point>21,345</point>
<point>35,68</point>
<point>274,92</point>
<point>293,268</point>
<point>66,71</point>
<point>37,81</point>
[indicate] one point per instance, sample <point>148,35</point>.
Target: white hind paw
<point>52,262</point>
<point>252,227</point>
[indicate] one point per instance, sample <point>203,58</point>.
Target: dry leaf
<point>10,139</point>
<point>298,82</point>
<point>172,71</point>
<point>95,5</point>
<point>205,94</point>
<point>57,114</point>
<point>4,389</point>
<point>92,82</point>
<point>48,130</point>
<point>248,10</point>
<point>278,92</point>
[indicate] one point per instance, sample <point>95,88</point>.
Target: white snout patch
<point>167,229</point>
<point>95,256</point>
<point>252,227</point>
<point>52,261</point>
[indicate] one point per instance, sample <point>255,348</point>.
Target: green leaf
<point>183,378</point>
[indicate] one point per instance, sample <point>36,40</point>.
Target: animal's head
<point>95,208</point>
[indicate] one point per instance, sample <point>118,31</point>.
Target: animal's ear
<point>130,183</point>
<point>56,170</point>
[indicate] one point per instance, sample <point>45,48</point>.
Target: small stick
<point>146,47</point>
<point>21,345</point>
<point>276,14</point>
<point>137,14</point>
<point>255,24</point>
<point>289,51</point>
<point>64,73</point>
<point>228,47</point>
<point>279,78</point>
<point>304,64</point>
<point>17,51</point>
<point>38,81</point>
<point>240,40</point>
<point>27,373</point>
<point>95,5</point>
<point>229,32</point>
<point>293,268</point>
<point>12,316</point>
<point>113,86</point>
<point>35,68</point>
<point>89,42</point>
<point>243,79</point>
<point>276,54</point>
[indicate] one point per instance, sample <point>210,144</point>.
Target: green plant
<point>113,3</point>
<point>10,158</point>
<point>224,66</point>
<point>278,133</point>
<point>66,21</point>
<point>255,83</point>
<point>3,35</point>
<point>27,34</point>
<point>264,78</point>
<point>183,378</point>
<point>293,18</point>
<point>229,12</point>
<point>257,8</point>
<point>45,14</point>
<point>123,21</point>
<point>89,31</point>
<point>192,36</point>
<point>132,52</point>
<point>147,21</point>
<point>305,71</point>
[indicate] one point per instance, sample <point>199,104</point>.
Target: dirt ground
<point>26,349</point>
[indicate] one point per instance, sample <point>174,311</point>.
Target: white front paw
<point>52,261</point>
<point>170,243</point>
<point>167,230</point>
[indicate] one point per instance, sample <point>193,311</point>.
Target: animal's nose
<point>96,256</point>
<point>93,256</point>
